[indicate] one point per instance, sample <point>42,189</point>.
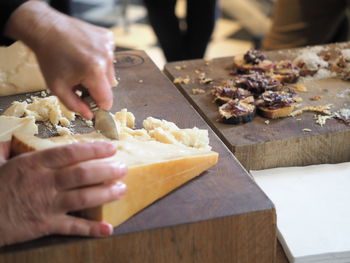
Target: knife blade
<point>103,120</point>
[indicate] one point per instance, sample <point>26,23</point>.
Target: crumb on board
<point>321,119</point>
<point>198,91</point>
<point>299,119</point>
<point>306,130</point>
<point>141,81</point>
<point>203,79</point>
<point>299,87</point>
<point>181,80</point>
<point>180,67</point>
<point>325,109</point>
<point>197,71</point>
<point>267,122</point>
<point>316,98</point>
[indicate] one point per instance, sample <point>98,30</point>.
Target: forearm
<point>31,22</point>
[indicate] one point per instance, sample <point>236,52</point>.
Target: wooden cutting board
<point>221,216</point>
<point>282,142</point>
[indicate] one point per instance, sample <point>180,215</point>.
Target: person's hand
<point>70,52</point>
<point>37,189</point>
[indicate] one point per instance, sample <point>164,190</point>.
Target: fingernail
<point>106,229</point>
<point>120,167</point>
<point>119,187</point>
<point>107,145</point>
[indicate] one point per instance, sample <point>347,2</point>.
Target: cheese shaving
<point>325,109</point>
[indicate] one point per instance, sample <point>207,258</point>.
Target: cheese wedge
<point>10,125</point>
<point>154,169</point>
<point>19,70</point>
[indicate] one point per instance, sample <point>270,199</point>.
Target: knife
<point>103,120</point>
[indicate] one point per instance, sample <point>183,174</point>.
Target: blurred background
<point>240,24</point>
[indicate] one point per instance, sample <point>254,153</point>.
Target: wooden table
<point>221,216</point>
<point>283,142</point>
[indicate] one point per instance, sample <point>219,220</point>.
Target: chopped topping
<point>276,99</point>
<point>254,56</point>
<point>267,122</point>
<point>228,90</point>
<point>257,83</point>
<point>236,108</point>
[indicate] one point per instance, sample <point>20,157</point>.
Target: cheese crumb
<point>63,130</point>
<point>198,91</point>
<point>306,130</point>
<point>325,109</point>
<point>316,98</point>
<point>267,122</point>
<point>181,80</point>
<point>89,123</point>
<point>321,119</point>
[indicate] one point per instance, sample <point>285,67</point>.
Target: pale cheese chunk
<point>10,125</point>
<point>19,70</point>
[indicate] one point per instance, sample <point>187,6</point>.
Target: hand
<point>37,189</point>
<point>70,52</point>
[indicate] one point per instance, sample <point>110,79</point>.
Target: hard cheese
<point>19,70</point>
<point>160,157</point>
<point>154,169</point>
<point>10,125</point>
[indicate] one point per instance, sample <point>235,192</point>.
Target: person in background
<point>182,43</point>
<point>298,23</point>
<point>38,189</point>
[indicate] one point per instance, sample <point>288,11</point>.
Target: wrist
<point>31,22</point>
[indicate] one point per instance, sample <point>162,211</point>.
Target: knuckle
<point>82,199</point>
<point>80,174</point>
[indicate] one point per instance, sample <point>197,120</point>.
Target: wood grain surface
<point>221,216</point>
<point>282,142</point>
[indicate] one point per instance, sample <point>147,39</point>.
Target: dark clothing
<point>189,43</point>
<point>298,23</point>
<point>6,9</point>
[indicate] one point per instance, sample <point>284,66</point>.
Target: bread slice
<point>276,113</point>
<point>154,169</point>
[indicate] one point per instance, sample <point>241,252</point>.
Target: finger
<point>70,225</point>
<point>70,154</point>
<point>100,89</point>
<point>4,151</point>
<point>111,76</point>
<point>78,199</point>
<point>71,100</point>
<point>89,173</point>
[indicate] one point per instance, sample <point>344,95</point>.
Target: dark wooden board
<point>282,142</point>
<point>221,216</point>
